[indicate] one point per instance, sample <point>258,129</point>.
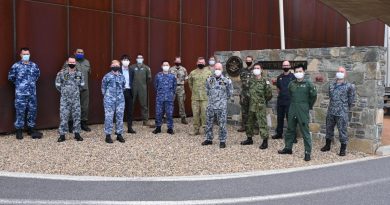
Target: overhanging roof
<point>357,11</point>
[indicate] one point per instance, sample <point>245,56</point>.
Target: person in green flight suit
<point>303,95</point>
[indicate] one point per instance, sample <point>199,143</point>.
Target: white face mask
<point>299,75</point>
<point>165,68</point>
<point>256,71</point>
<point>218,72</point>
<point>140,60</point>
<point>340,75</point>
<point>211,62</point>
<point>125,63</point>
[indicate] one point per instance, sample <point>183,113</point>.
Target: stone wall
<point>366,69</point>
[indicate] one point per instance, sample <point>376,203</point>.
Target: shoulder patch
<point>267,82</point>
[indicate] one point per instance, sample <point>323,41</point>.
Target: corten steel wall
<point>160,29</point>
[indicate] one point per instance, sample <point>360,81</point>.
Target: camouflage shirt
<point>113,86</point>
<point>245,75</point>
<point>24,77</point>
<point>165,85</point>
<point>219,91</point>
<point>180,74</point>
<point>341,98</point>
<point>197,82</point>
<point>69,83</point>
<point>85,68</point>
<point>259,92</point>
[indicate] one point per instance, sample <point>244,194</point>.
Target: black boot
<point>277,137</point>
<point>120,138</point>
<point>170,131</point>
<point>108,139</point>
<point>78,137</point>
<point>327,146</point>
<point>19,134</point>
<point>307,157</point>
<point>343,147</point>
<point>285,151</point>
<point>61,138</point>
<point>84,126</point>
<point>33,133</point>
<point>70,126</point>
<point>264,145</point>
<point>184,121</point>
<point>130,129</point>
<point>248,141</point>
<point>157,130</point>
<point>222,145</point>
<point>295,140</point>
<point>207,142</point>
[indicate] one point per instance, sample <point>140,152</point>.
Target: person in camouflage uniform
<point>303,96</point>
<point>259,93</point>
<point>24,75</point>
<point>197,83</point>
<point>245,75</point>
<point>181,76</point>
<point>113,86</point>
<point>219,89</point>
<point>69,82</point>
<point>342,96</point>
<point>165,85</point>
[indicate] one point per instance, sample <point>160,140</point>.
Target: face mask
<point>25,57</point>
<point>286,69</point>
<point>200,66</point>
<point>72,65</point>
<point>115,68</point>
<point>218,73</point>
<point>140,60</point>
<point>125,63</point>
<point>340,75</point>
<point>211,62</point>
<point>165,68</point>
<point>256,71</point>
<point>299,75</point>
<point>177,64</point>
<point>248,64</point>
<point>79,56</point>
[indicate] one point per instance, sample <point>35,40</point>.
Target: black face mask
<point>72,65</point>
<point>115,68</point>
<point>286,69</point>
<point>248,63</point>
<point>200,66</point>
<point>177,64</point>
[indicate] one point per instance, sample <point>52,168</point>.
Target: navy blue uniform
<point>165,85</point>
<point>283,102</point>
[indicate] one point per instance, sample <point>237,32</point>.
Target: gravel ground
<point>146,154</point>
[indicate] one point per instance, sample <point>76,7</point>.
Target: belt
<point>180,84</point>
<point>127,88</point>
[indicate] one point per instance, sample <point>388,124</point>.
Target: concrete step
<point>383,150</point>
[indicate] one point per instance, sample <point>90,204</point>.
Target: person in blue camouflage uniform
<point>342,96</point>
<point>219,89</point>
<point>165,85</point>
<point>69,82</point>
<point>24,75</point>
<point>113,86</point>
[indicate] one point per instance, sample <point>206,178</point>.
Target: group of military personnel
<point>211,90</point>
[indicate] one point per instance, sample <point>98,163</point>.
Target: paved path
<point>362,182</point>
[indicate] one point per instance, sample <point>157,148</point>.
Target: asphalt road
<point>361,182</point>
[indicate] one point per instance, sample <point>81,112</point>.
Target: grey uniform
<point>181,76</point>
<point>219,90</point>
<point>69,85</point>
<point>341,98</point>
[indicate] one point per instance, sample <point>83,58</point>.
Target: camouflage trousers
<point>199,113</point>
<point>181,97</point>
<point>221,115</point>
<point>84,102</point>
<point>69,107</point>
<point>342,124</point>
<point>113,107</point>
<point>164,107</point>
<point>244,102</point>
<point>257,118</point>
<point>25,104</point>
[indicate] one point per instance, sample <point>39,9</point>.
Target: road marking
<point>182,178</point>
<point>198,202</point>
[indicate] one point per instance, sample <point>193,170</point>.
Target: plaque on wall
<point>277,65</point>
<point>234,66</point>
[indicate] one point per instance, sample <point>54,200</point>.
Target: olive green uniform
<point>142,76</point>
<point>259,93</point>
<point>303,96</point>
<point>197,83</point>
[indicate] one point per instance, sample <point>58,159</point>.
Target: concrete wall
<point>366,69</point>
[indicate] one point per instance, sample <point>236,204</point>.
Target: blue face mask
<point>25,57</point>
<point>79,56</point>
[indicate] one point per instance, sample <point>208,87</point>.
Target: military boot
<point>327,146</point>
<point>307,157</point>
<point>222,145</point>
<point>207,142</point>
<point>343,147</point>
<point>248,141</point>
<point>130,130</point>
<point>264,145</point>
<point>184,121</point>
<point>70,126</point>
<point>19,134</point>
<point>84,126</point>
<point>276,136</point>
<point>195,132</point>
<point>33,133</point>
<point>78,137</point>
<point>285,151</point>
<point>61,138</point>
<point>157,130</point>
<point>108,139</point>
<point>170,131</point>
<point>119,137</point>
